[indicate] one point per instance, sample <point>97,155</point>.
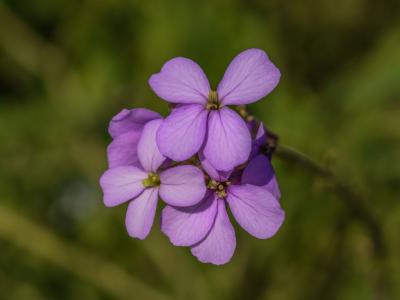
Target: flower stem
<point>357,208</point>
<point>352,198</point>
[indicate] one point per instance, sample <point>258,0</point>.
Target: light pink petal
<point>140,214</point>
<point>123,149</point>
<point>182,185</point>
<point>255,209</point>
<point>128,120</point>
<point>260,172</point>
<point>181,80</point>
<point>121,184</point>
<point>148,152</point>
<point>228,142</point>
<point>185,226</point>
<point>220,243</point>
<point>182,133</point>
<point>249,77</point>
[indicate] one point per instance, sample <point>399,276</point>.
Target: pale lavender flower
<point>179,186</point>
<point>206,227</point>
<point>201,117</point>
<point>126,128</point>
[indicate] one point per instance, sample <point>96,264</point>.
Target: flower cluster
<point>200,159</point>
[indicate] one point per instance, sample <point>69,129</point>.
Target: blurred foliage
<point>66,67</point>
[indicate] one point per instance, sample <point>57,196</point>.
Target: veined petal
<point>128,120</point>
<point>181,80</point>
<point>182,185</point>
<point>123,149</point>
<point>185,226</point>
<point>220,243</point>
<point>260,172</point>
<point>121,184</point>
<point>148,152</point>
<point>255,209</point>
<point>249,77</point>
<point>228,142</point>
<point>182,133</point>
<point>140,214</point>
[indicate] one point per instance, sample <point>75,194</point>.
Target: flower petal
<point>182,185</point>
<point>148,152</point>
<point>255,209</point>
<point>259,140</point>
<point>140,214</point>
<point>181,80</point>
<point>182,133</point>
<point>211,171</point>
<point>228,142</point>
<point>260,172</point>
<point>185,226</point>
<point>249,77</point>
<point>220,243</point>
<point>123,150</point>
<point>261,136</point>
<point>128,120</point>
<point>121,184</point>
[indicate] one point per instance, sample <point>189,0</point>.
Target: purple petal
<point>181,80</point>
<point>131,120</point>
<point>185,226</point>
<point>259,140</point>
<point>121,184</point>
<point>220,243</point>
<point>123,150</point>
<point>182,133</point>
<point>211,171</point>
<point>148,153</point>
<point>249,77</point>
<point>228,142</point>
<point>261,132</point>
<point>140,214</point>
<point>255,209</point>
<point>260,172</point>
<point>182,185</point>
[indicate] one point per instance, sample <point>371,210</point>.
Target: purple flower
<point>125,129</point>
<point>179,186</point>
<point>259,170</point>
<point>145,149</point>
<point>206,228</point>
<point>201,117</point>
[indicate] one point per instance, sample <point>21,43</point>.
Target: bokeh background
<point>66,67</point>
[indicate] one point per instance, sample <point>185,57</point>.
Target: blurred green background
<point>66,67</point>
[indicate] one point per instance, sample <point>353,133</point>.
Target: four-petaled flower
<point>202,117</point>
<point>180,186</point>
<point>206,228</point>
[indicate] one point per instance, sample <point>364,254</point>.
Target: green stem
<point>352,199</point>
<point>357,208</point>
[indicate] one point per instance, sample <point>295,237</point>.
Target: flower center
<point>213,101</point>
<point>153,179</point>
<point>220,188</point>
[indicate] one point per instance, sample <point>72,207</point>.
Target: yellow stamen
<point>219,187</point>
<point>153,179</point>
<point>213,101</point>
